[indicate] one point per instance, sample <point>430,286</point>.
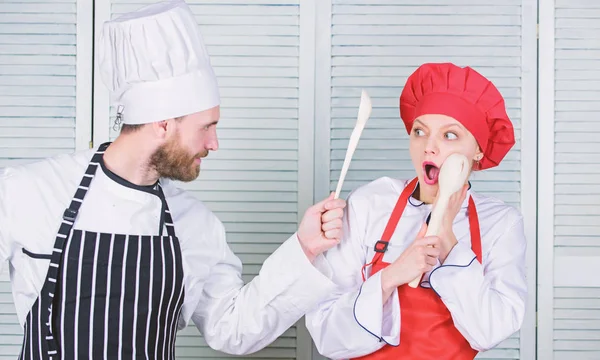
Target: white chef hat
<point>155,64</point>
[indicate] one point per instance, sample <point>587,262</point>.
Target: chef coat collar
<point>416,203</point>
<point>151,189</point>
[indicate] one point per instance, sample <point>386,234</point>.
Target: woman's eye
<point>451,136</point>
<point>419,132</point>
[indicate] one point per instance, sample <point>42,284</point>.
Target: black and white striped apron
<point>107,296</point>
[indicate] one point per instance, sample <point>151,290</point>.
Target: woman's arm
<point>487,302</point>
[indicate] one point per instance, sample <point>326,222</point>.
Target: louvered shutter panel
<point>251,182</point>
<point>376,45</point>
<point>11,333</point>
<point>37,79</point>
<point>38,59</point>
<point>576,180</point>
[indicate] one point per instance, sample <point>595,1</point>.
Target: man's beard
<point>172,161</point>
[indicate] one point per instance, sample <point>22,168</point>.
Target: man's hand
<point>321,226</point>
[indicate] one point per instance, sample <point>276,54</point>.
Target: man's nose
<point>212,143</point>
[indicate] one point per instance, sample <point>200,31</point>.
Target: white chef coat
<point>486,301</point>
<point>233,318</point>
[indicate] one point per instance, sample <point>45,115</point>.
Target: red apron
<point>427,331</point>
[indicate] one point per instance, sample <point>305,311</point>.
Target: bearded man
<point>108,258</point>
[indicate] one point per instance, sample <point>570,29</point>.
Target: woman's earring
<point>477,159</point>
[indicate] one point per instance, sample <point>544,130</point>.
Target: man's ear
<point>161,128</point>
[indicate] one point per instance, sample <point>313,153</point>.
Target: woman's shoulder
<point>497,210</point>
<point>381,187</point>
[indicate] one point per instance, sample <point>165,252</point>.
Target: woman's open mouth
<point>430,172</point>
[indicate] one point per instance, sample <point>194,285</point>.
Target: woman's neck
<point>426,195</point>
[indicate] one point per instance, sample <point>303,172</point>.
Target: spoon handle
<point>434,226</point>
<point>364,112</point>
<point>349,153</point>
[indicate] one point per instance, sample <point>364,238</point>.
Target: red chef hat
<point>468,97</point>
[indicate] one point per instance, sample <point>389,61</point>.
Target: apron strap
<point>64,231</point>
<point>167,213</point>
<point>398,210</point>
<point>381,245</point>
<point>474,229</point>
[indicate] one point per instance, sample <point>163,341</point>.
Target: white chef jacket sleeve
<point>354,321</point>
<point>239,319</point>
<point>487,302</point>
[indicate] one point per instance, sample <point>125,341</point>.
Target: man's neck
<point>128,158</point>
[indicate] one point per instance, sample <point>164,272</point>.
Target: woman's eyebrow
<point>453,125</point>
<point>419,122</point>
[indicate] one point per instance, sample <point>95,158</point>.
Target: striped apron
<point>107,296</point>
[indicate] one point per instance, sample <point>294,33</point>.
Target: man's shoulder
<point>34,175</point>
<point>197,226</point>
<point>62,164</point>
<point>187,206</point>
<point>38,192</point>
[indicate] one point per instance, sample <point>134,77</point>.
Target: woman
<point>473,290</point>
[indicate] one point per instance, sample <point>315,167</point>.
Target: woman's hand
<point>420,257</point>
<point>447,237</point>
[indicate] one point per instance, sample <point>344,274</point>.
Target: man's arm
<point>242,319</point>
<point>239,319</point>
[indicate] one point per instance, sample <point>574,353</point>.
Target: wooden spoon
<point>452,177</point>
<point>364,111</point>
